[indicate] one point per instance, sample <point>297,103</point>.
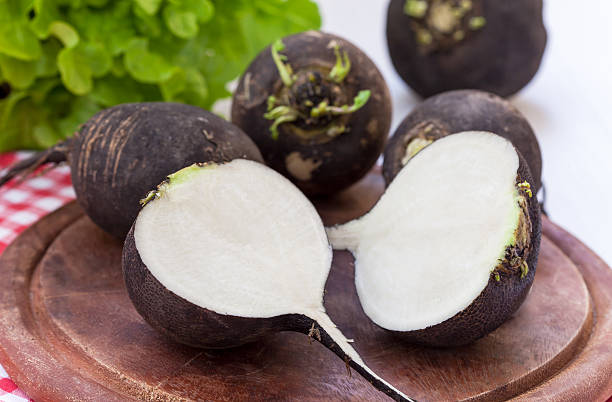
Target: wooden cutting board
<point>69,332</point>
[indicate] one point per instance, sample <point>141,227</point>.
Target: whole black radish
<point>122,152</point>
<point>318,109</point>
<point>441,45</point>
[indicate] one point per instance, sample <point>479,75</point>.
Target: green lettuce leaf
<point>64,60</point>
<point>19,73</point>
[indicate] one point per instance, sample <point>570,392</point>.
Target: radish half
<point>222,255</point>
<point>449,251</point>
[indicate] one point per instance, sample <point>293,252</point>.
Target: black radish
<point>450,250</point>
<point>318,109</point>
<point>222,255</point>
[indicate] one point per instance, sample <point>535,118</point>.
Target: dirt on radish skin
<point>124,151</point>
<point>449,252</point>
<point>318,109</point>
<point>222,255</point>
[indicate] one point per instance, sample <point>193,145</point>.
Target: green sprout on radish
<point>436,22</point>
<point>342,67</point>
<point>286,106</point>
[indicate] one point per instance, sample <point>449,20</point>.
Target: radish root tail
<point>332,339</point>
<point>55,155</point>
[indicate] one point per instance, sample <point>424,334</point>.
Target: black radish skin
<point>323,154</point>
<point>122,152</point>
<point>506,290</point>
<point>441,45</point>
<point>457,111</point>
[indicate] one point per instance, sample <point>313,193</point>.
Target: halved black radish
<point>449,252</point>
<point>221,255</point>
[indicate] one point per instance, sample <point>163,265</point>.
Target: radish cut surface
<point>427,249</point>
<point>245,241</point>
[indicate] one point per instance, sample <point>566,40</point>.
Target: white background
<point>568,103</point>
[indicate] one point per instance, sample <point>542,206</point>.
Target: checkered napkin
<point>22,204</point>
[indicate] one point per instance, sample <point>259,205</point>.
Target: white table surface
<point>568,103</point>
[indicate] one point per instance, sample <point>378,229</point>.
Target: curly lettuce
<point>61,61</point>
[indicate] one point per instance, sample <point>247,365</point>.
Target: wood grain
<point>68,331</point>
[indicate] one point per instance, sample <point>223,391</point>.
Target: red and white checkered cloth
<point>22,204</point>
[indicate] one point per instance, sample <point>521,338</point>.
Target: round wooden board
<point>69,332</point>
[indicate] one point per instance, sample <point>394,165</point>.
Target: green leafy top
<point>342,66</point>
<point>64,60</point>
<point>325,108</point>
<point>284,69</point>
